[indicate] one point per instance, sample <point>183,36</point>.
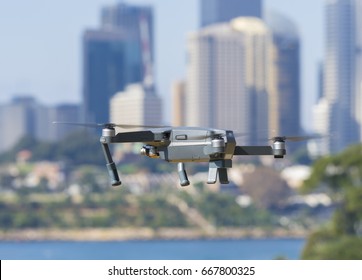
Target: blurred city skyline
<point>42,56</point>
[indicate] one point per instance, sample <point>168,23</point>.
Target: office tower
<point>358,105</point>
<point>228,77</point>
<point>178,108</point>
<point>136,105</point>
<point>17,119</point>
<point>138,21</point>
<point>216,11</point>
<point>341,70</point>
<point>284,110</point>
<point>107,69</point>
<point>115,55</point>
<point>25,116</point>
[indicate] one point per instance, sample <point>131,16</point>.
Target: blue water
<point>245,249</point>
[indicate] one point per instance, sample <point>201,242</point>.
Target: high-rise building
<point>342,72</point>
<point>216,11</point>
<point>228,77</point>
<point>284,105</point>
<point>108,68</point>
<point>358,105</point>
<point>115,55</point>
<point>137,21</point>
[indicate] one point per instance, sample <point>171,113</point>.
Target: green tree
<point>80,148</point>
<point>91,179</point>
<point>77,148</point>
<point>266,188</point>
<point>341,175</point>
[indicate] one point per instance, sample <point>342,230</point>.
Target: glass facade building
<point>216,11</point>
<point>115,55</point>
<point>341,72</point>
<point>285,99</point>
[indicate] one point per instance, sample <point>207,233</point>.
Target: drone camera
<point>149,151</point>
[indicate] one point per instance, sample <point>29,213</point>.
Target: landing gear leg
<point>218,168</point>
<point>184,181</point>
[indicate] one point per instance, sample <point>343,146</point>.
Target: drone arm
<point>253,150</point>
<point>111,166</point>
<point>277,150</point>
<point>134,136</point>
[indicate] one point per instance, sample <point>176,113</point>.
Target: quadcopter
<point>186,144</point>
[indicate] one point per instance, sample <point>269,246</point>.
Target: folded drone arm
<point>135,136</point>
<point>277,150</point>
<point>253,150</point>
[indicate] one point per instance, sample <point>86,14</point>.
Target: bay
<point>244,249</point>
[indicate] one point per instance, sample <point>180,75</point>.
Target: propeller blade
<point>296,138</point>
<point>111,125</point>
<point>86,124</point>
<point>140,126</point>
<point>241,134</point>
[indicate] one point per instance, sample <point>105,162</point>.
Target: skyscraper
<point>111,61</point>
<point>358,105</point>
<point>228,77</point>
<point>342,72</point>
<point>115,55</point>
<point>138,21</point>
<point>284,110</point>
<point>216,11</point>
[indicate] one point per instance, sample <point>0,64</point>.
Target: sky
<point>41,45</point>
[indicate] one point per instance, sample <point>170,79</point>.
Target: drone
<point>185,144</point>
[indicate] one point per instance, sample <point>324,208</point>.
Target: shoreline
<point>129,234</point>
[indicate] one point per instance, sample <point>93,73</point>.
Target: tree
<point>266,188</point>
<point>80,147</point>
<point>341,175</point>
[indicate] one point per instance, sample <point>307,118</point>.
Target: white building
<point>319,146</point>
<point>228,76</point>
<point>136,105</point>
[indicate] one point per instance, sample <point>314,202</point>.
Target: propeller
<point>111,125</point>
<point>295,138</point>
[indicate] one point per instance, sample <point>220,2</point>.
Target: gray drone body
<point>187,144</point>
